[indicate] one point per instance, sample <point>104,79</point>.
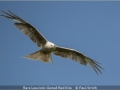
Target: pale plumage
<point>48,47</point>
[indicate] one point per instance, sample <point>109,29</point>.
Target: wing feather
<point>78,57</point>
<point>27,29</point>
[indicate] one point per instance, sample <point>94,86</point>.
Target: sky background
<point>92,28</point>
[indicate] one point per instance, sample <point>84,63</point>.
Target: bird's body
<point>44,53</point>
<point>47,47</point>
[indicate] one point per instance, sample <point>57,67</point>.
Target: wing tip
<point>95,65</point>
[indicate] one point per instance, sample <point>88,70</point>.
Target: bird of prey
<point>47,47</point>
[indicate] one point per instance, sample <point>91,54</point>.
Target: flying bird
<point>47,47</point>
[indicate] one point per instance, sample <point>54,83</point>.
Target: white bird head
<point>50,45</point>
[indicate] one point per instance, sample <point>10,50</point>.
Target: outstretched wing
<point>27,29</point>
<point>78,57</point>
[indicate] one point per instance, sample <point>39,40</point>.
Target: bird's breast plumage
<point>48,48</point>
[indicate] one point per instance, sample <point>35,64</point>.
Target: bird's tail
<point>38,55</point>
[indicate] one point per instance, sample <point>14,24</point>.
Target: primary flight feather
<point>48,47</point>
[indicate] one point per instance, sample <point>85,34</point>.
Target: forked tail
<point>38,55</point>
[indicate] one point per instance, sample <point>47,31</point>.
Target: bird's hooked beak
<point>53,46</point>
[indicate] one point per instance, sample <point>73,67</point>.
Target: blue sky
<point>92,28</point>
